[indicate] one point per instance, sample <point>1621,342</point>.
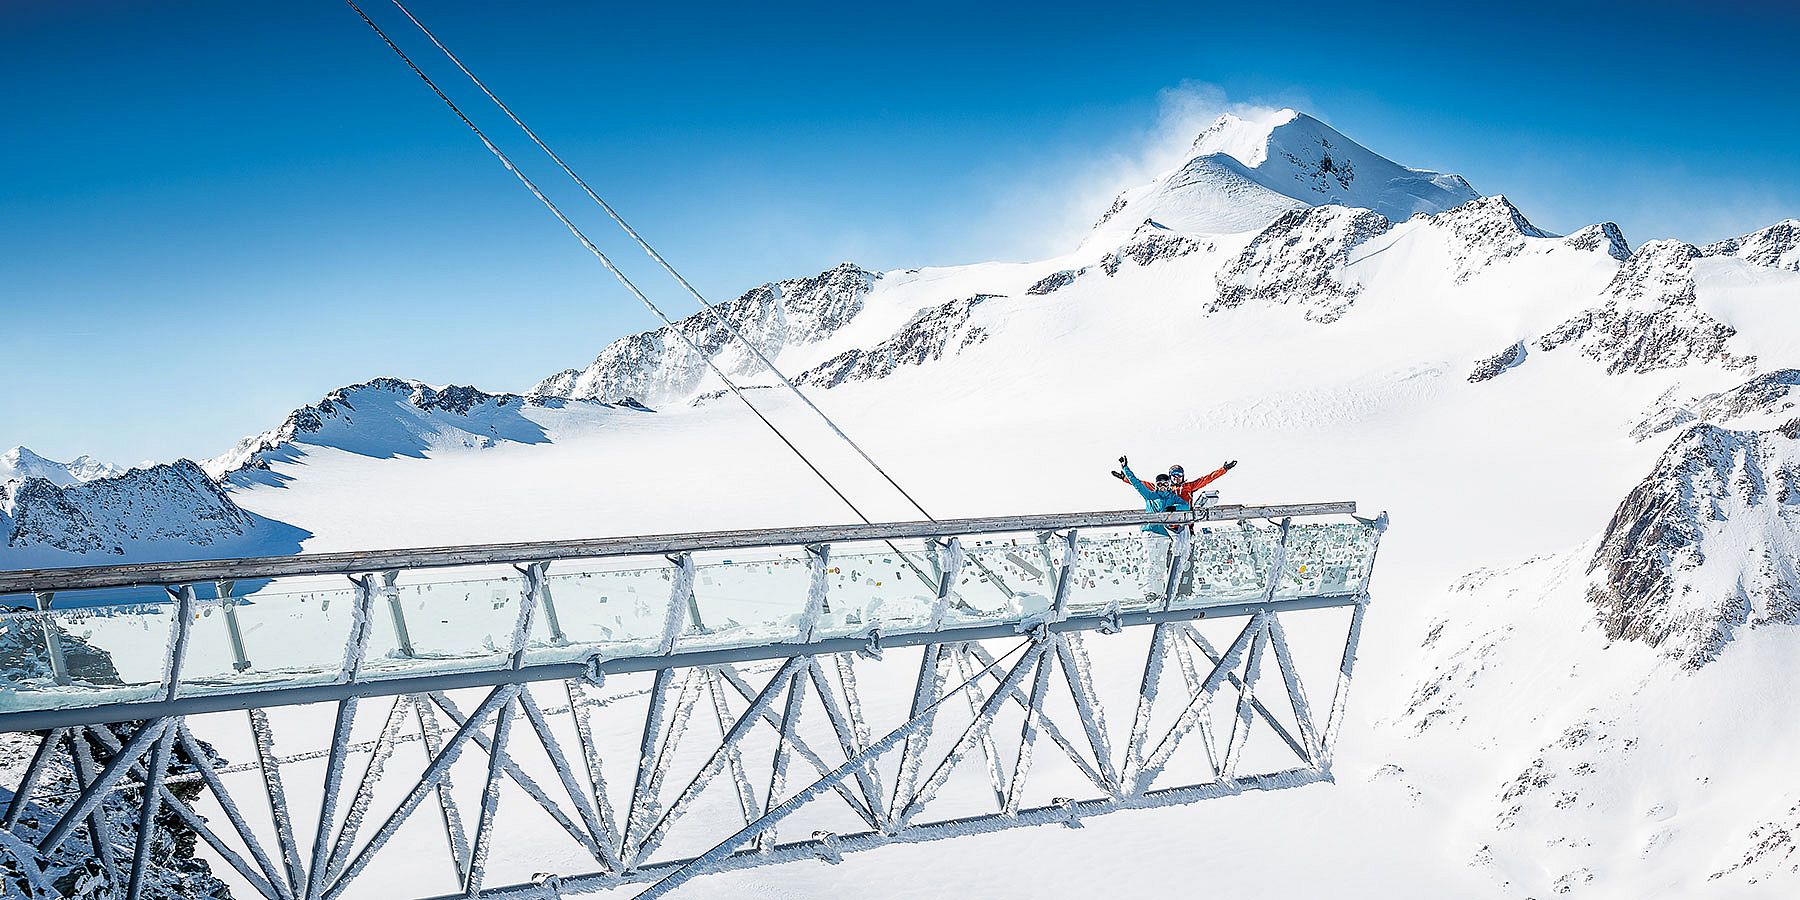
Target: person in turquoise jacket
<point>1158,498</point>
<point>1155,539</point>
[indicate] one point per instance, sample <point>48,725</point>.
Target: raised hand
<point>1230,464</point>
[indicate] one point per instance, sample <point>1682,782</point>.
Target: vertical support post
<point>356,644</point>
<point>99,829</point>
<point>176,652</point>
<point>521,636</point>
<point>1183,544</point>
<point>490,796</point>
<point>1279,563</point>
<point>53,648</point>
<point>1040,683</point>
<point>1065,577</point>
<point>240,660</point>
<point>334,778</point>
<point>681,601</point>
<point>1246,712</point>
<point>790,719</point>
<point>1147,690</point>
<point>818,559</point>
<point>537,584</point>
<point>152,804</point>
<point>270,765</point>
<point>396,614</point>
<point>1335,719</point>
<point>950,568</point>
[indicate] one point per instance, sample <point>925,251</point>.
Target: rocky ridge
<point>1672,569</point>
<point>656,367</point>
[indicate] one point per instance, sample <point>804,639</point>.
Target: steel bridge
<point>655,708</point>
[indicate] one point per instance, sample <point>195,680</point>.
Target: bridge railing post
<point>176,651</point>
<point>391,589</point>
<point>818,562</point>
<point>234,632</point>
<point>53,647</point>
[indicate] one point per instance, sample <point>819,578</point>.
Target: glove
<point>1230,464</point>
<point>1119,475</point>
<point>1122,461</point>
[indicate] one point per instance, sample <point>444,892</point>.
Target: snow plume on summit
<point>1244,171</point>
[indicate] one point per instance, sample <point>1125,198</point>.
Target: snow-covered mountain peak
<point>169,510</point>
<point>20,463</point>
<point>1703,546</point>
<point>1243,136</point>
<point>1246,170</point>
<point>1777,246</point>
<point>390,417</point>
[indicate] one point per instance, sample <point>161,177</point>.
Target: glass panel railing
<point>613,611</point>
<point>1326,560</point>
<point>747,602</point>
<point>287,632</point>
<point>83,656</point>
<point>292,631</point>
<point>878,589</point>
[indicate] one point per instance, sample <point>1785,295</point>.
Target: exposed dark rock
<point>1666,574</point>
<point>1498,363</point>
<point>1054,281</point>
<point>1648,320</point>
<point>659,366</point>
<point>927,336</point>
<point>1299,259</point>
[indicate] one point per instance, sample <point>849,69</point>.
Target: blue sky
<point>211,213</point>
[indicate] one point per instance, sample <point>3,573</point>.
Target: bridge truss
<point>1003,682</point>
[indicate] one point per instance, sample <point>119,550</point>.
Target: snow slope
<point>1601,435</point>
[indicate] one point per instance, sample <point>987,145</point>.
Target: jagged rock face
<point>1777,246</point>
<point>1151,243</point>
<point>1054,281</point>
<point>1648,320</point>
<point>1770,394</point>
<point>1498,363</point>
<point>927,336</point>
<point>658,366</point>
<point>72,871</point>
<point>1605,236</point>
<point>168,502</point>
<point>1113,210</point>
<point>1705,545</point>
<point>1299,259</point>
<point>1486,231</point>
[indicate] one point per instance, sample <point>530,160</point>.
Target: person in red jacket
<point>1187,489</point>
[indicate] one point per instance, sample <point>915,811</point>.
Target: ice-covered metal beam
<point>356,561</point>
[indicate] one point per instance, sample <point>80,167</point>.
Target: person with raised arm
<point>1155,539</point>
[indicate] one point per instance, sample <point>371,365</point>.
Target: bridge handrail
<point>353,562</point>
